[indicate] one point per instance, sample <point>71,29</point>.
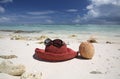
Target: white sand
<point>106,61</point>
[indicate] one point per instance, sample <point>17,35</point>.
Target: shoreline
<point>39,35</point>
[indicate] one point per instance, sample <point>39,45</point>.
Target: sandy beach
<point>59,39</point>
<point>105,63</point>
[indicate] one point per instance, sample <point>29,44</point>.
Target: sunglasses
<point>57,42</point>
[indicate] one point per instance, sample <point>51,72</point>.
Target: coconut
<point>86,50</point>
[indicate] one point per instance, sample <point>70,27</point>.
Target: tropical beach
<point>59,39</point>
<point>22,45</point>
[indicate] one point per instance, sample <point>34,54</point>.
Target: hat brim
<point>50,56</point>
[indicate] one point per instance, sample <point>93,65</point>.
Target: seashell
<point>8,56</point>
<point>92,39</point>
<point>86,50</point>
<point>72,36</point>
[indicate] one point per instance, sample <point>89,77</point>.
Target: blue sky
<point>60,11</point>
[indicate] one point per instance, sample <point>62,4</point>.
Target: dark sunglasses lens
<point>47,41</point>
<point>57,43</point>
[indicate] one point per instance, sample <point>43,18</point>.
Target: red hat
<point>55,50</point>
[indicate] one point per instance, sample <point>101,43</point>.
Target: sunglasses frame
<point>57,42</point>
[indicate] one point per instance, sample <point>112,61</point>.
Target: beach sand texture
<point>18,47</point>
<point>104,64</point>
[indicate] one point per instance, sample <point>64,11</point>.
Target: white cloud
<point>76,21</point>
<point>49,21</point>
<point>40,12</point>
<point>72,10</point>
<point>103,11</point>
<point>105,2</point>
<point>4,19</point>
<point>5,1</point>
<point>2,10</point>
<point>93,13</point>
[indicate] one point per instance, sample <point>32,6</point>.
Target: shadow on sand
<point>39,59</point>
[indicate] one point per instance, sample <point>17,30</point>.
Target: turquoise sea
<point>106,32</point>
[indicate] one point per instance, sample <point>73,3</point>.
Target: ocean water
<point>101,32</point>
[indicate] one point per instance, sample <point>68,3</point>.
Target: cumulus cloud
<point>4,19</point>
<point>2,10</point>
<point>5,1</point>
<point>40,12</point>
<point>103,11</point>
<point>72,10</point>
<point>105,2</point>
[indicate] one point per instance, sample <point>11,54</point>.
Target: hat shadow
<point>39,59</point>
<point>82,58</point>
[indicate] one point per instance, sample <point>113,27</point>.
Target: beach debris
<point>31,75</point>
<point>72,36</point>
<point>18,37</point>
<point>18,31</point>
<point>86,50</point>
<point>96,72</point>
<point>42,37</point>
<point>27,44</point>
<point>108,42</point>
<point>41,42</point>
<point>22,31</point>
<point>9,68</point>
<point>8,56</point>
<point>92,39</point>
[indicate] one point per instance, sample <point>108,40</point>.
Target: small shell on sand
<point>8,56</point>
<point>9,68</point>
<point>92,39</point>
<point>72,36</point>
<point>29,75</point>
<point>96,72</point>
<point>108,42</point>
